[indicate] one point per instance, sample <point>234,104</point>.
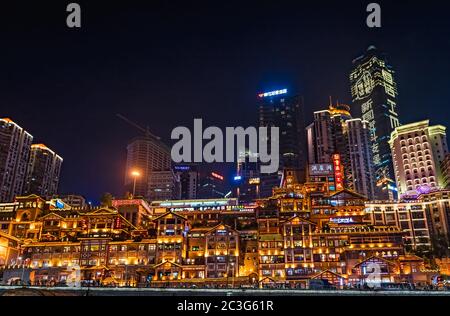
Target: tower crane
<point>146,131</point>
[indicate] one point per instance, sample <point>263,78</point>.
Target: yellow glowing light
<point>135,173</point>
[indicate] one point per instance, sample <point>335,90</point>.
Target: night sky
<point>164,63</point>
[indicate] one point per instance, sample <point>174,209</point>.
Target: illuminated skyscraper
<point>374,94</point>
<point>43,171</point>
<point>285,111</point>
<point>15,145</point>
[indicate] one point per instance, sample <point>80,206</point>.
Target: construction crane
<point>146,131</point>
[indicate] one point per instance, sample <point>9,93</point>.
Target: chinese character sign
<point>338,172</point>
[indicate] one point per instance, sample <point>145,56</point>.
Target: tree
<point>106,199</point>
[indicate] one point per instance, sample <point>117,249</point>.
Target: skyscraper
<point>359,158</point>
<point>146,154</point>
<point>326,134</point>
<point>43,172</point>
<point>334,132</point>
<point>280,109</point>
<point>374,96</point>
<point>418,150</point>
<point>15,145</point>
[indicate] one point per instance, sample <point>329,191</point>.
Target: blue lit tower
<point>280,109</point>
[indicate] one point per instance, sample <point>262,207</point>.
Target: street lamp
<point>135,174</point>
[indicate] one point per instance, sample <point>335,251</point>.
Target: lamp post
<point>135,174</point>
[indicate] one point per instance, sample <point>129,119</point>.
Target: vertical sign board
<point>338,172</point>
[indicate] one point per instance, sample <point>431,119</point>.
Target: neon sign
<point>342,220</point>
<point>254,181</point>
<point>338,172</point>
<point>272,93</point>
<point>217,176</point>
<point>323,169</point>
<point>182,168</point>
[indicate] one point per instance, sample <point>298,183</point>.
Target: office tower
<point>418,150</point>
<point>374,96</point>
<point>212,185</point>
<point>359,157</point>
<point>247,180</point>
<point>15,145</point>
<point>145,155</point>
<point>188,178</point>
<point>285,111</point>
<point>43,172</point>
<point>334,137</point>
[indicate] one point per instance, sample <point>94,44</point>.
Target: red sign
<point>117,223</point>
<point>338,172</point>
<point>217,176</point>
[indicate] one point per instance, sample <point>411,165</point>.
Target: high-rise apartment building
<point>418,150</point>
<point>374,96</point>
<point>359,157</point>
<point>285,111</point>
<point>43,172</point>
<point>334,132</point>
<point>145,155</point>
<point>326,134</point>
<point>15,145</point>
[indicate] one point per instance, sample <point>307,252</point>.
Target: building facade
<point>374,96</point>
<point>334,132</point>
<point>424,218</point>
<point>43,171</point>
<point>15,146</point>
<point>247,181</point>
<point>145,155</point>
<point>163,185</point>
<point>445,169</point>
<point>188,176</point>
<point>360,163</point>
<point>303,232</point>
<point>285,111</point>
<point>418,150</point>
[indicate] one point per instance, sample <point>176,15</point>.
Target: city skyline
<point>82,101</point>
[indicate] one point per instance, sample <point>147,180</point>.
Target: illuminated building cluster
<point>302,232</point>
